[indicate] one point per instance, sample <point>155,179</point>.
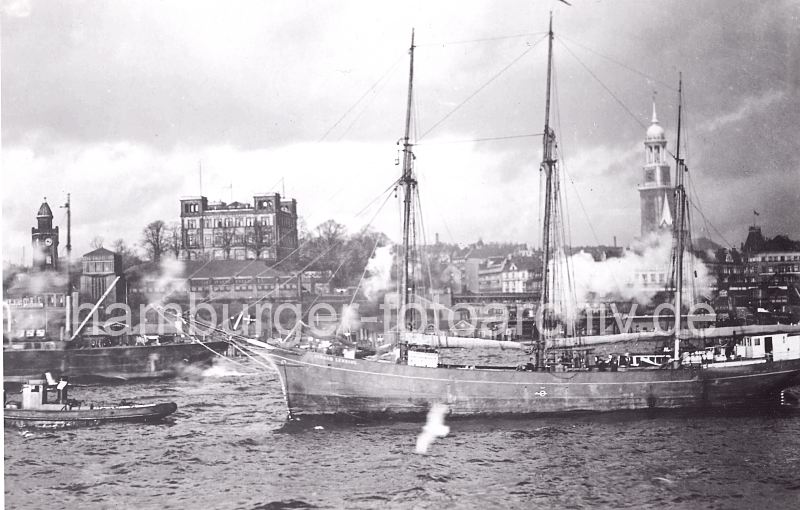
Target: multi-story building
<point>773,273</point>
<point>522,274</point>
<point>490,275</point>
<point>264,229</point>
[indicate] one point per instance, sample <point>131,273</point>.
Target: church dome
<point>655,132</point>
<point>44,211</point>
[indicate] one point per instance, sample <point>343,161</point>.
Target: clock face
<point>48,241</point>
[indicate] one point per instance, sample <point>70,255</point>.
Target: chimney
<point>437,237</point>
<point>615,241</point>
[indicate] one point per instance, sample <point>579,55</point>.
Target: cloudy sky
<point>120,102</point>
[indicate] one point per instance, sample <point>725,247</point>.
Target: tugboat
<point>45,404</point>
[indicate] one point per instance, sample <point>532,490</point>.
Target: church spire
<point>666,214</point>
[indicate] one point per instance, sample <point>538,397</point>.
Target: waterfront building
<point>264,229</point>
<point>224,281</point>
<point>772,273</point>
<point>35,302</point>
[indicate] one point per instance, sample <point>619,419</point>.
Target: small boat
<point>45,405</point>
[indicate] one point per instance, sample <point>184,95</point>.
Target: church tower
<point>44,238</point>
<point>656,192</point>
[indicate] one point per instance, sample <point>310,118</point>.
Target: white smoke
<point>379,269</point>
<point>622,278</point>
<point>168,278</point>
<point>350,321</point>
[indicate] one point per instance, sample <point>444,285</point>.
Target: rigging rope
<point>353,106</point>
<point>618,100</point>
<point>621,64</point>
<point>484,39</point>
<point>489,139</point>
<point>486,84</point>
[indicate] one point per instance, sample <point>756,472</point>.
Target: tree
<point>331,232</point>
<point>324,248</point>
<point>357,252</point>
<point>226,235</point>
<point>257,238</point>
<point>173,238</point>
<point>97,242</point>
<point>128,256</point>
<point>154,240</point>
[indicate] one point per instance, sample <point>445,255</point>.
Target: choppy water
<point>226,447</point>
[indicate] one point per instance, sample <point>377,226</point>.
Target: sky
<point>120,103</point>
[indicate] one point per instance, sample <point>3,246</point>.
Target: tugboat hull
<point>318,384</point>
<point>69,418</point>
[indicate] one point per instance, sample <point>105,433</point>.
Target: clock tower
<point>44,238</point>
<point>656,191</point>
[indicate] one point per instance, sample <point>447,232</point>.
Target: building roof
<point>755,240</point>
<point>100,252</point>
<point>781,243</point>
<point>44,211</point>
<point>526,263</point>
<point>191,269</point>
<point>757,243</point>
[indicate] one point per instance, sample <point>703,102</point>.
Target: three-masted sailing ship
<point>321,384</point>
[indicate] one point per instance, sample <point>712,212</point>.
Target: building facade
<point>656,193</point>
<point>100,268</point>
<point>522,274</point>
<point>264,229</point>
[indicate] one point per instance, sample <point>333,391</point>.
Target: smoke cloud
<point>170,271</point>
<point>622,278</point>
<point>379,269</point>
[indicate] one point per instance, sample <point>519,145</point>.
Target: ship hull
<point>118,363</point>
<point>69,418</point>
<point>318,384</point>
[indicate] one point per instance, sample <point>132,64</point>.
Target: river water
<point>227,446</point>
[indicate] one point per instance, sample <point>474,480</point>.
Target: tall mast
<point>678,232</point>
<point>409,184</point>
<point>68,299</point>
<point>548,164</point>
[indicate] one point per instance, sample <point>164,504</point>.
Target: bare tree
<point>154,240</point>
<point>128,255</point>
<point>257,238</point>
<point>173,238</point>
<point>331,232</point>
<point>226,236</point>
<point>97,242</point>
